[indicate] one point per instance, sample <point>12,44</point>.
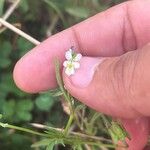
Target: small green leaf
<point>56,92</point>
<point>54,133</point>
<point>50,143</point>
<point>25,105</point>
<point>78,12</point>
<point>9,109</point>
<point>24,115</point>
<point>23,110</point>
<point>117,132</point>
<point>43,142</point>
<point>44,102</point>
<point>53,143</point>
<point>50,146</point>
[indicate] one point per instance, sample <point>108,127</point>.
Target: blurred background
<point>40,19</point>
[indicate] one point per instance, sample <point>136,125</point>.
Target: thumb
<point>117,86</point>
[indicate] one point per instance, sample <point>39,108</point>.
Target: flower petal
<point>70,50</point>
<point>65,63</point>
<point>68,55</point>
<point>78,57</point>
<point>76,65</point>
<point>70,71</point>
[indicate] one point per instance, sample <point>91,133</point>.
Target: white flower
<point>68,54</point>
<point>72,62</point>
<point>77,57</point>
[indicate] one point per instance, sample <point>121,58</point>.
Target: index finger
<point>121,28</point>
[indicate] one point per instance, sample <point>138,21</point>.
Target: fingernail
<point>84,75</point>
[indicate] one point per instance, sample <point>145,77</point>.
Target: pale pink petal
<point>78,57</point>
<point>68,55</point>
<point>65,63</point>
<point>76,65</point>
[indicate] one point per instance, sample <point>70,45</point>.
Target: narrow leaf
<point>56,8</point>
<point>78,12</point>
<point>44,142</point>
<point>53,143</point>
<point>56,93</point>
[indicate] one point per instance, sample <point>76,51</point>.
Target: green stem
<point>68,124</point>
<point>65,94</point>
<point>88,142</point>
<point>61,84</point>
<point>5,125</point>
<point>81,135</point>
<point>100,145</point>
<point>106,121</point>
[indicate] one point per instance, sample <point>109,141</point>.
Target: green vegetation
<point>41,18</point>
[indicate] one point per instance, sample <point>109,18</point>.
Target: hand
<point>114,76</point>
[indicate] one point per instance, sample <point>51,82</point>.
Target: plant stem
<point>106,121</point>
<point>21,33</point>
<point>66,96</point>
<point>68,124</point>
<point>5,125</point>
<point>11,9</point>
<point>84,136</point>
<point>88,142</point>
<point>61,86</point>
<point>101,144</point>
<point>96,142</point>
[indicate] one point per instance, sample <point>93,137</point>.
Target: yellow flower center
<point>70,65</point>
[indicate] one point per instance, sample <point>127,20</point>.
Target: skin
<point>120,35</point>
